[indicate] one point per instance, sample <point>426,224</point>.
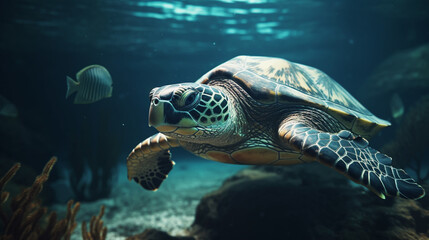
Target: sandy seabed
<point>131,209</point>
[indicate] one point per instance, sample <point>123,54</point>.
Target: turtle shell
<point>274,80</point>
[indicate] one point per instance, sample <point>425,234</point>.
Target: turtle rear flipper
<point>351,156</point>
<point>150,162</point>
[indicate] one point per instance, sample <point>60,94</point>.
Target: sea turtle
<point>265,110</point>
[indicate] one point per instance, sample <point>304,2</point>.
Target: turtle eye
<point>188,99</point>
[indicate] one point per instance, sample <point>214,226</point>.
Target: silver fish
<point>93,84</point>
<point>7,108</point>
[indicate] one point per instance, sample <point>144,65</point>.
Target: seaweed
<point>96,229</point>
<point>28,220</point>
<point>408,148</point>
<point>25,221</point>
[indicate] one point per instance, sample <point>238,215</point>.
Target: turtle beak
<point>163,115</point>
<point>164,118</point>
<point>158,117</point>
<point>156,113</point>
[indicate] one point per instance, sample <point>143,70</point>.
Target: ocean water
<point>376,50</point>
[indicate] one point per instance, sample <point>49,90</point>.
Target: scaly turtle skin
<point>262,110</point>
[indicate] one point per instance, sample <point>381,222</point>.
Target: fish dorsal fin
<point>78,75</point>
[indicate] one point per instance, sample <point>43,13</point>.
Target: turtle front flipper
<point>150,161</point>
<point>351,156</point>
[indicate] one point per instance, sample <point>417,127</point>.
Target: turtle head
<point>188,110</point>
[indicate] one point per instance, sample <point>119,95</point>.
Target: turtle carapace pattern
<point>265,110</point>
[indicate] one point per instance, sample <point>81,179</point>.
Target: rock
<point>402,72</point>
<point>405,73</point>
<point>404,220</point>
<point>154,234</point>
<point>408,147</point>
<point>303,202</point>
<point>402,10</point>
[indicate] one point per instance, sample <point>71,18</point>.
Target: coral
<point>4,196</point>
<point>408,149</point>
<point>95,147</point>
<point>28,219</point>
<point>25,221</point>
<point>96,229</point>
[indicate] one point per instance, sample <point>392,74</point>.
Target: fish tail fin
<point>72,86</point>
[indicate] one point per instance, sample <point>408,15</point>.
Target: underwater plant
<point>409,145</point>
<point>25,222</point>
<point>95,151</point>
<point>27,218</point>
<point>96,229</point>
